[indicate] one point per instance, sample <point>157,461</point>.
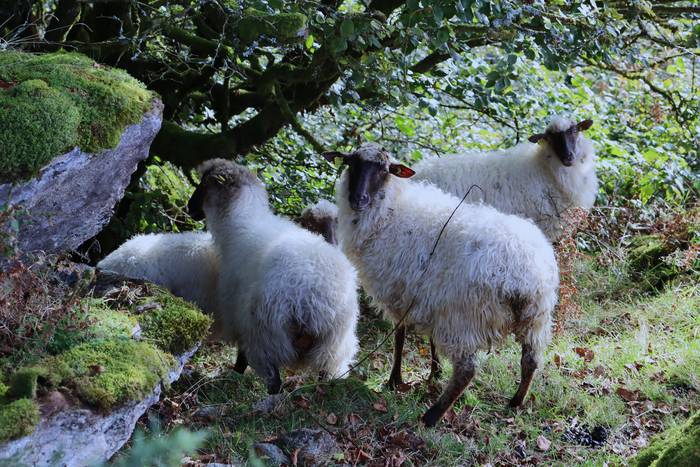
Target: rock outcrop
<point>72,133</point>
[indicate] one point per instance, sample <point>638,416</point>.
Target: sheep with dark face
<point>537,181</point>
<point>491,274</point>
<point>286,297</point>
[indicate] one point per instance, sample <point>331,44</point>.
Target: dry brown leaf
<point>626,394</point>
<point>332,418</point>
<point>585,353</point>
<point>557,360</point>
<point>543,444</point>
<point>380,406</point>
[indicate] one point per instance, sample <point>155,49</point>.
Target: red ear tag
<point>401,171</point>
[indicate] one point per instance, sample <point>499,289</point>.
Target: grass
<point>639,377</point>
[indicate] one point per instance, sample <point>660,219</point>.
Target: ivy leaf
<point>347,28</point>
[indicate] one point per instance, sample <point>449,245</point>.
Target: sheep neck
<point>248,208</point>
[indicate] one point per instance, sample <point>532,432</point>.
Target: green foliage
<point>678,447</point>
<point>159,450</point>
<point>17,418</point>
<point>280,26</point>
<point>53,102</point>
<point>176,325</point>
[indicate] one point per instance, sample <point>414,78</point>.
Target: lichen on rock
<point>174,325</point>
<point>50,103</point>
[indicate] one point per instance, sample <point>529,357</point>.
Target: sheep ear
<point>535,138</point>
<point>401,171</point>
<point>584,125</point>
<point>331,156</point>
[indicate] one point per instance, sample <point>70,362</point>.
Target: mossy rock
<point>102,373</point>
<point>176,325</point>
<point>51,103</point>
<point>18,418</point>
<point>678,447</point>
<point>284,27</point>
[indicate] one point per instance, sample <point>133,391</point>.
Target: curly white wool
<point>485,263</point>
<point>185,263</point>
<point>527,180</point>
<point>275,275</point>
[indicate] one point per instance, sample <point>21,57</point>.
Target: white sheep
<point>491,274</point>
<point>185,263</point>
<point>321,218</point>
<point>286,297</point>
<point>537,181</point>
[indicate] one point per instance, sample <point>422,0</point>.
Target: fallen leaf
<point>626,394</point>
<point>302,402</point>
<point>407,440</point>
<point>599,371</point>
<point>354,419</point>
<point>543,444</point>
<point>294,456</point>
<point>380,406</point>
<point>332,418</point>
<point>585,353</point>
<point>557,360</point>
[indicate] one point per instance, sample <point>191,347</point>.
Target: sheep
<point>321,218</point>
<point>538,181</point>
<point>490,274</point>
<point>286,297</point>
<point>185,263</point>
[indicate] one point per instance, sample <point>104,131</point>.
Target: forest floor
<point>621,371</point>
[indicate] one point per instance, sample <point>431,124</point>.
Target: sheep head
<point>221,182</point>
<point>562,137</point>
<point>369,168</point>
<point>321,218</point>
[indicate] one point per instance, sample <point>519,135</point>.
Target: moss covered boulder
<point>78,404</point>
<point>73,132</point>
<point>678,447</point>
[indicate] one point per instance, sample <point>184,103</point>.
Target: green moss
<point>282,26</point>
<point>23,383</point>
<point>176,326</point>
<point>58,101</point>
<point>108,373</point>
<point>678,447</point>
<point>102,373</point>
<point>90,319</point>
<point>18,418</point>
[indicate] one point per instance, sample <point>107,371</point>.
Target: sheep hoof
<point>515,402</point>
<point>394,383</point>
<point>431,417</point>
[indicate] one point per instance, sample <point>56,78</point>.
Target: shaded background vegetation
<point>272,83</point>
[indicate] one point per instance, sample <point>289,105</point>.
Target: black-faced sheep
<point>490,275</point>
<point>537,181</point>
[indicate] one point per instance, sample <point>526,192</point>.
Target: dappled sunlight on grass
<point>618,374</point>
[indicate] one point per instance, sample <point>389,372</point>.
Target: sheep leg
<point>461,376</point>
<point>241,362</point>
<point>528,366</point>
<point>435,367</point>
<point>274,382</point>
<point>395,377</point>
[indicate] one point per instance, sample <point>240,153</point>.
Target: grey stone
<point>271,454</point>
<point>315,447</point>
<point>74,196</point>
<point>269,404</point>
<point>79,437</point>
